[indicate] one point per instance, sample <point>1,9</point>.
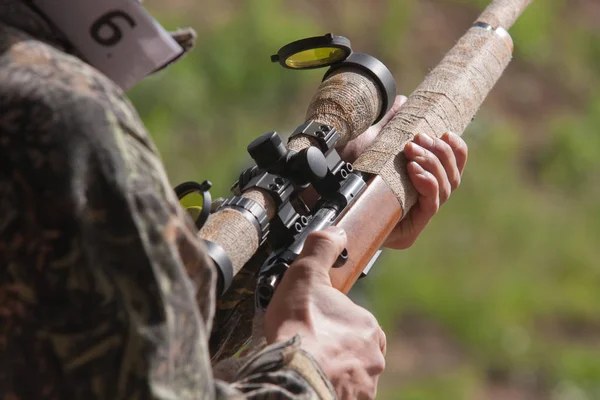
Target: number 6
<point>108,21</point>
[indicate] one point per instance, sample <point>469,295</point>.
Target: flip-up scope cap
<point>196,199</point>
<point>313,52</point>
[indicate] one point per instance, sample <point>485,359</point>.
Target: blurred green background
<point>499,298</point>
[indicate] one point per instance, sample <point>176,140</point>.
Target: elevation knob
<point>267,150</point>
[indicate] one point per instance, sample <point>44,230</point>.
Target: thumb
<point>321,250</point>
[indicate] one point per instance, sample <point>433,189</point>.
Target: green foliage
<point>515,246</point>
<point>224,93</point>
<point>454,385</point>
<point>533,31</point>
<point>570,160</point>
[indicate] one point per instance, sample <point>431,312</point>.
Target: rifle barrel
<point>448,98</point>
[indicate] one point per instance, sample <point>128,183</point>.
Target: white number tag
<point>117,37</point>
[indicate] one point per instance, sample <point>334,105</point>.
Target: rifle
<point>366,199</point>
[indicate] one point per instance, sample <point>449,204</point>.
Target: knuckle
<point>371,322</point>
<point>429,158</point>
<point>449,157</point>
<point>435,162</point>
<point>435,183</point>
<point>444,196</point>
<point>380,365</point>
<point>464,154</point>
<point>461,147</point>
<point>366,318</point>
<point>455,180</point>
<point>435,205</point>
<point>442,147</point>
<point>382,338</point>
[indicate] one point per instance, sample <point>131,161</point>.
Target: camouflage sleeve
<point>105,293</point>
<point>280,371</point>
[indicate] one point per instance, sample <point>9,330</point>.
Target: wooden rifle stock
<point>367,223</point>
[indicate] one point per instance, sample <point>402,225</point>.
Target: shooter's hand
<point>345,339</point>
<point>435,169</point>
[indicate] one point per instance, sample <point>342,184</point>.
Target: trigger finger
<point>321,249</point>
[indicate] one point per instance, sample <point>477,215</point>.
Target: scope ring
<point>253,212</point>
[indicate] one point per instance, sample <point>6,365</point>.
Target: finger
<point>430,163</point>
<point>426,185</point>
<point>407,231</point>
<point>376,385</point>
<point>460,149</point>
<point>443,151</point>
<point>377,365</point>
<point>321,249</point>
<point>382,342</point>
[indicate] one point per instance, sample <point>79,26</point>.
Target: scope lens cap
<point>314,52</point>
<point>195,198</point>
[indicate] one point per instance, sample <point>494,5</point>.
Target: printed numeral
<point>112,32</point>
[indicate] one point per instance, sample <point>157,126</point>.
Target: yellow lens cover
<point>320,56</point>
<point>192,203</point>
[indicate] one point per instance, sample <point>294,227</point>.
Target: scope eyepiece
<point>376,70</point>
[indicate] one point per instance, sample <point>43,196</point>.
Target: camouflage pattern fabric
<point>105,292</point>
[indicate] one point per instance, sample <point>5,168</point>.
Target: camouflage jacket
<point>105,292</point>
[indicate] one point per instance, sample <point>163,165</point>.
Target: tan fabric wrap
<point>349,100</point>
<point>503,13</point>
<point>237,235</point>
<point>446,101</point>
<point>300,143</point>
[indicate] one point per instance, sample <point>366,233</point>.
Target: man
<point>105,292</point>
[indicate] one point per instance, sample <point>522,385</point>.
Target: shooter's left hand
<point>435,169</point>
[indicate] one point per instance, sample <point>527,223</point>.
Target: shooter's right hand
<point>345,339</point>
